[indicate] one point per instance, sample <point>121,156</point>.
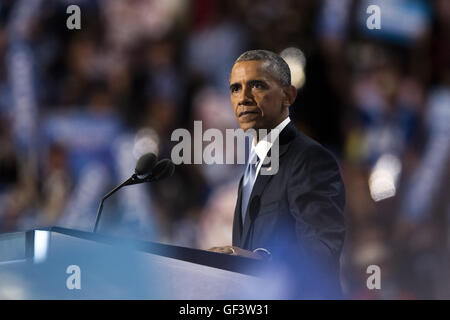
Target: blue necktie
<point>248,182</point>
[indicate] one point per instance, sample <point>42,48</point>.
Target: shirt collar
<point>263,146</point>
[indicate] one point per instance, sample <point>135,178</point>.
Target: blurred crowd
<point>78,107</point>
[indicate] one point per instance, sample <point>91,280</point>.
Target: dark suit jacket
<point>297,214</point>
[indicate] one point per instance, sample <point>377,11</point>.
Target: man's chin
<point>249,125</point>
<point>249,129</point>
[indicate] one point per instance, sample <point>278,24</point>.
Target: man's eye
<point>258,85</point>
<point>234,89</point>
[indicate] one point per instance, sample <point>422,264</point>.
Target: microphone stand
<point>133,180</point>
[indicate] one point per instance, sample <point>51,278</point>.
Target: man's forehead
<point>249,68</point>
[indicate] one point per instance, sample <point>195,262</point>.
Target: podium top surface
<point>20,246</point>
<point>39,264</point>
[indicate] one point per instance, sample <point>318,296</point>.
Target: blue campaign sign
<point>85,136</point>
<point>400,21</point>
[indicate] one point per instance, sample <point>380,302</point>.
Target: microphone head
<point>163,169</point>
<point>145,164</point>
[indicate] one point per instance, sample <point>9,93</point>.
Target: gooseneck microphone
<point>148,169</point>
<point>145,164</point>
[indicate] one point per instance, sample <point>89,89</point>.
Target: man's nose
<point>246,96</point>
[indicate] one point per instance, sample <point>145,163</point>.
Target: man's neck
<point>257,138</point>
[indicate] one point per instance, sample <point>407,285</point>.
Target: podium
<point>59,263</point>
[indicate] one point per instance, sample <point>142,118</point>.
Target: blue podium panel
<point>59,263</point>
<point>13,247</point>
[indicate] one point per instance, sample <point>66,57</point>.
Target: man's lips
<point>243,113</point>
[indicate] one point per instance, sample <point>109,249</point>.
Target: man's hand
<point>235,251</point>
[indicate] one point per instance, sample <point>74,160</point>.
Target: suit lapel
<point>258,188</point>
<point>285,138</point>
<point>237,221</point>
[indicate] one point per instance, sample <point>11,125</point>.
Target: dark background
<point>78,107</point>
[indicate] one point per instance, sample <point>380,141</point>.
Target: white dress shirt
<point>264,145</point>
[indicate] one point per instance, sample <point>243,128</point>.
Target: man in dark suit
<point>294,218</point>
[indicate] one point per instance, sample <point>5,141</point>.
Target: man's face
<point>258,99</point>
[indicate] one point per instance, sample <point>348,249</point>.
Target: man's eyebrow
<point>256,81</point>
<point>249,82</point>
<point>235,84</point>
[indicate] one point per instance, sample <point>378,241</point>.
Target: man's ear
<point>290,93</point>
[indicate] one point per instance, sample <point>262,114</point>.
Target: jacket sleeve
<point>316,198</point>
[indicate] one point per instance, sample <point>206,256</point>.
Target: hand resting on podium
<point>236,251</point>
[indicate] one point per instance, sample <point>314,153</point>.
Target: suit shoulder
<point>305,148</point>
<point>314,165</point>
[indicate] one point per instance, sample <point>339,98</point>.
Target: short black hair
<point>277,65</point>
